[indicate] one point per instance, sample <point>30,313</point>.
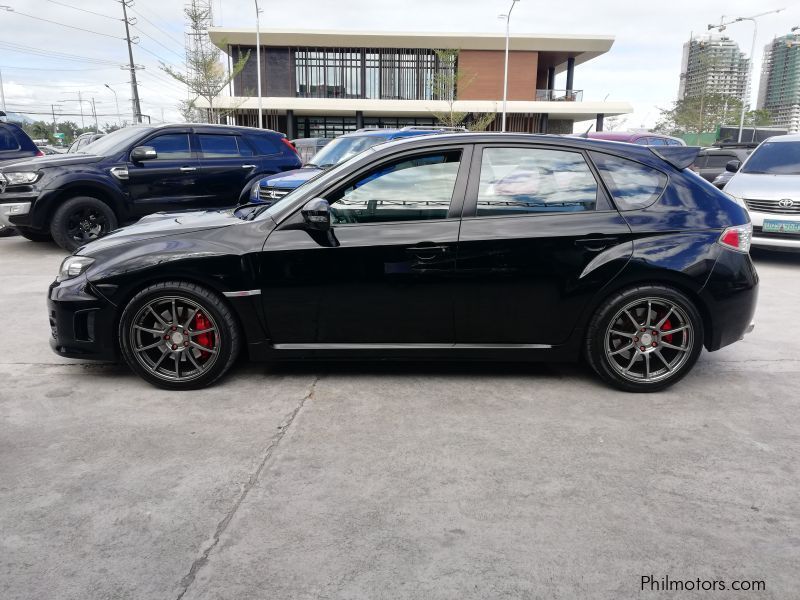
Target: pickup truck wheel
<point>81,220</point>
<point>35,236</point>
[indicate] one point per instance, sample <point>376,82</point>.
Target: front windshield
<point>343,148</point>
<point>774,158</point>
<point>113,142</point>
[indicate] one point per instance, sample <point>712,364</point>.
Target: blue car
<point>272,188</point>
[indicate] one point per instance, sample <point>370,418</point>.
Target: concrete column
<point>359,119</point>
<point>551,78</point>
<point>570,73</point>
<point>543,123</point>
<point>599,125</point>
<point>291,126</point>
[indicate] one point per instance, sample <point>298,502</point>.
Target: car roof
<point>789,137</point>
<point>632,150</point>
<point>212,127</point>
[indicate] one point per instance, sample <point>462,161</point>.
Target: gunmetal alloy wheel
<point>179,335</point>
<point>645,338</point>
<point>175,339</point>
<point>649,339</point>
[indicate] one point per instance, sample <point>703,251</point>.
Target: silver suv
<point>768,184</point>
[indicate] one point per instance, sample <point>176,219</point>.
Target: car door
<point>226,163</point>
<point>383,275</point>
<point>538,237</point>
<point>168,182</point>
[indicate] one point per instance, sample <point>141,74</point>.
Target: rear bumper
<point>82,323</point>
<point>730,296</point>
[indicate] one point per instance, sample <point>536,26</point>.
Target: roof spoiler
<point>679,157</point>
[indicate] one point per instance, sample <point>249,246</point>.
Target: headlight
<point>73,266</point>
<point>736,199</point>
<point>21,177</point>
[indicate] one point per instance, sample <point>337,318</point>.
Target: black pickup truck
<point>76,198</point>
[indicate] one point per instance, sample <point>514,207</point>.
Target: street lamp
<point>721,27</point>
<point>258,59</point>
<point>116,101</point>
<point>507,17</point>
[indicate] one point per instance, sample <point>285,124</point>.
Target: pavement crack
<point>202,560</point>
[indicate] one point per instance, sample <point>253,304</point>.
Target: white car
<point>768,184</point>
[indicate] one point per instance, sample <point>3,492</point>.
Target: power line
<point>22,49</point>
<point>59,70</point>
<point>91,12</point>
<point>157,42</point>
<point>163,60</point>
<point>180,43</point>
<point>16,12</point>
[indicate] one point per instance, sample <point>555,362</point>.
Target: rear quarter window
<point>8,141</point>
<point>265,144</point>
<point>632,184</point>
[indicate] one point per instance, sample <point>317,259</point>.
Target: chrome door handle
<point>188,169</point>
<point>248,166</point>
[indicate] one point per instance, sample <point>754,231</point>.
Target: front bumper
<point>13,209</point>
<point>82,321</point>
<point>775,241</point>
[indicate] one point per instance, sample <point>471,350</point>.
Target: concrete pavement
<point>394,481</point>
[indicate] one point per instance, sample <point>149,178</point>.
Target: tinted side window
<point>171,146</point>
<point>8,141</point>
<point>718,161</point>
<point>266,144</point>
<point>411,189</point>
<point>218,146</point>
<point>632,185</point>
<point>656,141</point>
<point>534,180</point>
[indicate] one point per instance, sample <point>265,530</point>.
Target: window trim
<point>470,210</point>
<point>456,201</point>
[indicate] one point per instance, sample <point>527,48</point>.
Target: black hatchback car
<point>468,246</point>
<point>133,172</point>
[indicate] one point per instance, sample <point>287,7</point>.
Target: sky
<point>642,67</point>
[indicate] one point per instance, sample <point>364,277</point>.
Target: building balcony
<point>559,95</point>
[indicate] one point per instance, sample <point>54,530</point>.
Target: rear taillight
<point>289,143</point>
<point>40,153</point>
<point>737,238</point>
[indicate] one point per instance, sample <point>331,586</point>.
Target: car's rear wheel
<point>35,236</point>
<point>81,220</point>
<point>178,336</point>
<point>645,339</point>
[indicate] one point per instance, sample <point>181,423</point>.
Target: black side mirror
<point>733,165</point>
<point>141,153</point>
<point>317,214</point>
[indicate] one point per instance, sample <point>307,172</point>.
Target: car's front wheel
<point>645,339</point>
<point>178,335</point>
<point>81,220</point>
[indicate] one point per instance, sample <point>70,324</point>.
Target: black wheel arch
<point>46,207</point>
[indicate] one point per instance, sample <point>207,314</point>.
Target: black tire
<point>640,338</point>
<point>36,236</point>
<point>7,231</point>
<point>224,342</point>
<point>81,220</point>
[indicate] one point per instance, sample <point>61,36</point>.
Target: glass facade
<point>380,73</point>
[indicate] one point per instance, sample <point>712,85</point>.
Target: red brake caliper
<point>204,339</point>
<point>666,327</point>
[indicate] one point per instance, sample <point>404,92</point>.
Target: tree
<point>704,114</point>
<point>206,77</point>
<point>446,82</point>
<point>615,123</point>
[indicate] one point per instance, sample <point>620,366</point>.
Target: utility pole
<point>80,105</point>
<point>55,125</point>
<point>137,109</point>
<point>2,93</point>
<point>94,112</point>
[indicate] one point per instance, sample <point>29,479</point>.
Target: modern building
<point>779,90</point>
<point>325,83</point>
<point>712,64</point>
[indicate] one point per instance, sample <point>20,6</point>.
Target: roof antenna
<point>585,134</point>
